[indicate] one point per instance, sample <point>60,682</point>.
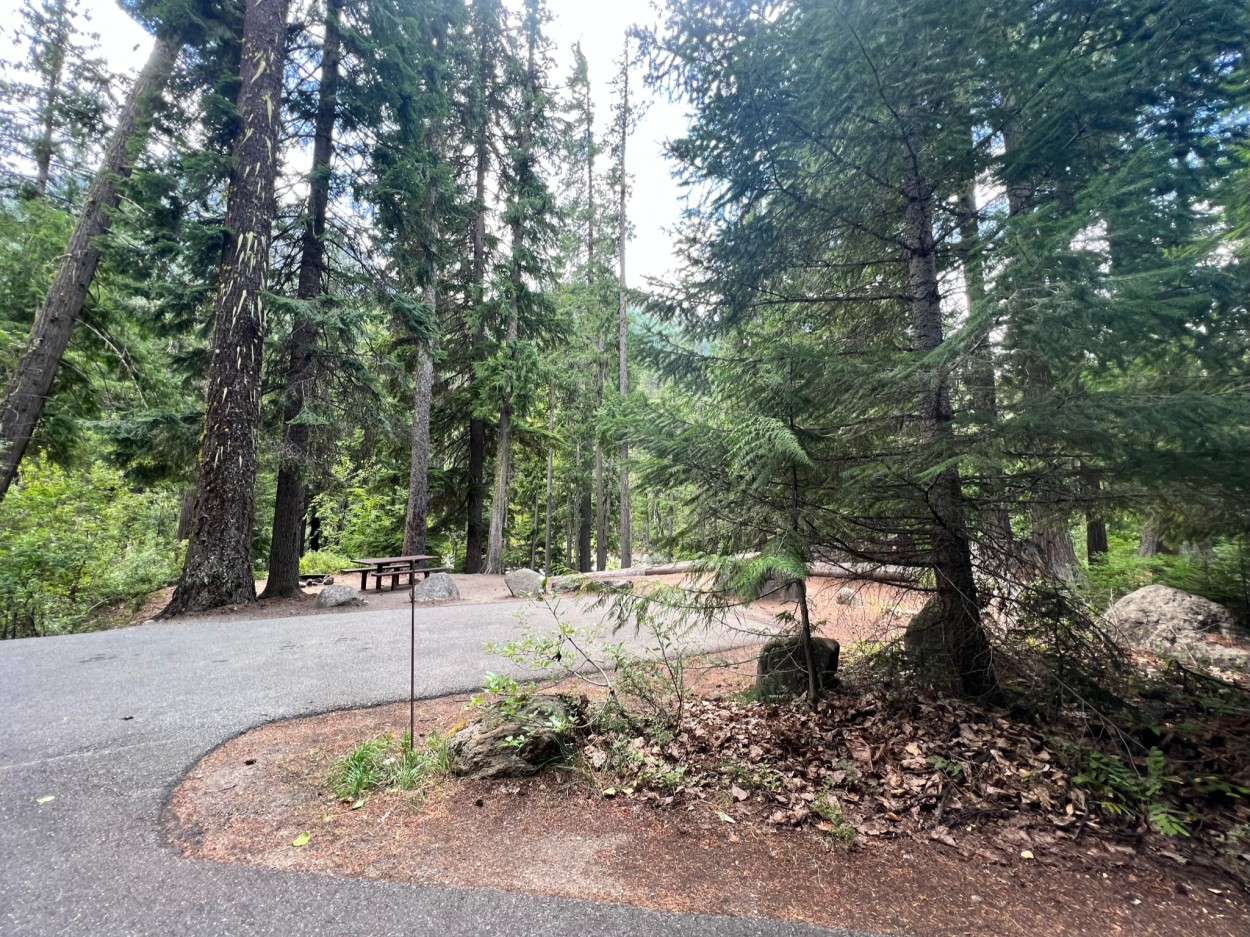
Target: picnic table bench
<point>378,568</point>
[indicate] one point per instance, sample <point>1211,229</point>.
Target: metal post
<point>412,662</point>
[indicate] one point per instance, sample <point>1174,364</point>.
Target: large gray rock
<point>524,583</point>
<point>499,746</point>
<point>1172,623</point>
<point>782,667</point>
<point>333,596</point>
<point>437,587</point>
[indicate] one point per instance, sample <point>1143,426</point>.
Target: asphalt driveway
<point>106,724</point>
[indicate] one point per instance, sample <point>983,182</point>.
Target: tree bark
<point>551,477</point>
<point>503,455</point>
<point>964,639</point>
<point>601,514</point>
<point>477,427</point>
<point>55,72</point>
<point>186,512</point>
<point>477,496</point>
<point>416,526</point>
<point>28,387</point>
<point>218,566</point>
<point>622,336</point>
<point>286,543</point>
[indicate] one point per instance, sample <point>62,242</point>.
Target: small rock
<point>334,596</point>
<point>849,596</point>
<point>524,583</point>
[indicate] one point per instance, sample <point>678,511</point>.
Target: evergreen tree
<point>218,566</point>
<point>29,384</point>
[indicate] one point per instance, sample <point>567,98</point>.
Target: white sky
<point>654,204</point>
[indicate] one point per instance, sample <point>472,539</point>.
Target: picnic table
<point>381,567</point>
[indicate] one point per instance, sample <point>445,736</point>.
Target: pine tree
<point>28,387</point>
<point>528,219</point>
<point>218,566</point>
<point>289,506</point>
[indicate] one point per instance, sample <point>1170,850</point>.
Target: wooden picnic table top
<point>388,560</point>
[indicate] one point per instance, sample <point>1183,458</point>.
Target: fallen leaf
<point>913,749</point>
<point>356,805</point>
<point>609,792</point>
<point>302,839</point>
<point>724,816</point>
<point>1026,854</point>
<point>738,793</point>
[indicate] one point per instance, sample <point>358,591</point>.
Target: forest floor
<point>734,814</point>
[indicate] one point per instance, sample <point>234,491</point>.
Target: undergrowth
<point>385,763</point>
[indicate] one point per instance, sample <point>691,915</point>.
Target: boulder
<point>437,587</point>
<point>524,583</point>
<point>782,667</point>
<point>924,635</point>
<point>848,596</point>
<point>516,746</point>
<point>334,596</point>
<point>774,588</point>
<point>780,590</point>
<point>1172,623</point>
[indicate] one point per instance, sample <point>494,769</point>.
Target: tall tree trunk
<point>964,639</point>
<point>583,530</point>
<point>981,379</point>
<point>1051,540</point>
<point>54,74</point>
<point>601,513</point>
<point>1148,545</point>
<point>476,505</point>
<point>289,501</point>
<point>416,527</point>
<point>28,387</point>
<point>477,427</point>
<point>503,455</point>
<point>218,566</point>
<point>622,335</point>
<point>551,477</point>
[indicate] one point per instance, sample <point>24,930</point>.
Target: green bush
<point>1221,573</point>
<point>71,544</point>
<point>322,561</point>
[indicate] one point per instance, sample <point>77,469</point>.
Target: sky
<point>655,199</point>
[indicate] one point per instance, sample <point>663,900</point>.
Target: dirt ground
<point>559,835</point>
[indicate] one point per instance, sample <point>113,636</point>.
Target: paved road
<point>108,723</point>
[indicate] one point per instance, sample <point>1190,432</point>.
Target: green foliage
<point>72,543</point>
<point>1126,789</point>
<point>322,561</point>
<point>385,763</point>
<point>829,809</point>
<point>1219,572</point>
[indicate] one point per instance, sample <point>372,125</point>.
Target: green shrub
<point>72,544</point>
<point>322,561</point>
<point>1221,574</point>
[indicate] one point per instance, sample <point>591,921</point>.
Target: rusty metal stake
<point>412,661</point>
